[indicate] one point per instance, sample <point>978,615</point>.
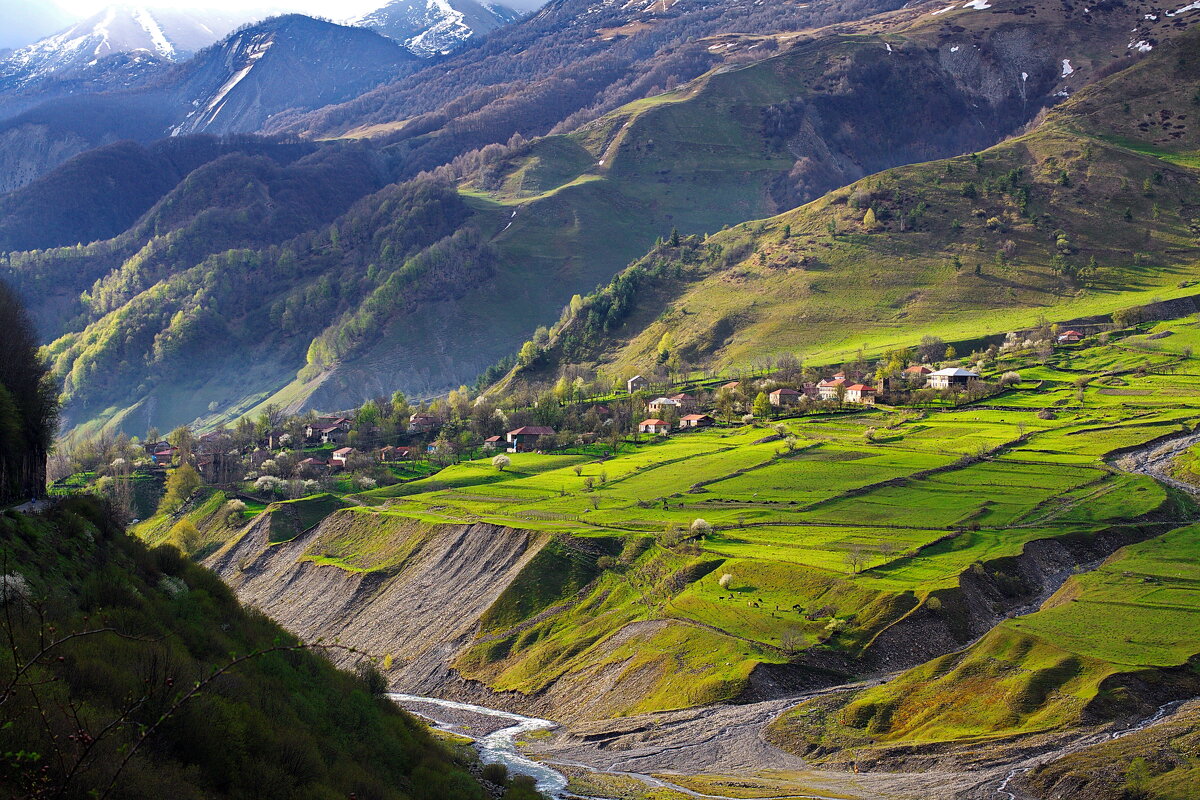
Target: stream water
<point>500,746</point>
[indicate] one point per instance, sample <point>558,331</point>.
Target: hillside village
<point>388,441</point>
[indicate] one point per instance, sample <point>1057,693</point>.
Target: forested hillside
<point>133,673</point>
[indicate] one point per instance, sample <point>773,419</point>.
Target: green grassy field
<point>1102,631</point>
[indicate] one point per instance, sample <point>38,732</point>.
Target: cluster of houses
<point>839,387</point>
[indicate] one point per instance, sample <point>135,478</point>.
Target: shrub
<point>495,773</point>
<point>235,511</point>
<point>725,580</point>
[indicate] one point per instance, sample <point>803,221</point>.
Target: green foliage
<point>148,629</point>
<point>181,484</point>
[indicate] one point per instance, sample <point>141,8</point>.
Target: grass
<point>1038,672</point>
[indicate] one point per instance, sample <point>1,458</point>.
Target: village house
<point>636,384</point>
<point>165,455</point>
<point>828,389</point>
<point>213,441</point>
<point>860,393</point>
<point>153,447</point>
<point>391,455</point>
<point>344,423</point>
<point>653,426</point>
<point>696,421</point>
<point>661,404</point>
<point>314,466</point>
<point>1070,337</point>
<point>781,398</point>
<point>493,442</point>
<point>325,434</point>
<point>687,403</point>
<point>422,423</point>
<point>951,377</point>
<point>732,386</point>
<point>340,456</point>
<point>527,439</point>
<point>916,371</point>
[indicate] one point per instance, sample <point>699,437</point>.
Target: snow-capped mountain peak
<point>163,34</point>
<point>436,27</point>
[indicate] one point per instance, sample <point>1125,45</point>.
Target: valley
<point>716,607</point>
<point>602,401</point>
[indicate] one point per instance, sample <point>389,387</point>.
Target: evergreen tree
<point>28,405</point>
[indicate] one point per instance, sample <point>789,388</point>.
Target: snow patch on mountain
<point>436,27</point>
<point>172,35</point>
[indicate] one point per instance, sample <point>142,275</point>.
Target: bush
<point>725,580</point>
<point>495,773</point>
<point>235,512</point>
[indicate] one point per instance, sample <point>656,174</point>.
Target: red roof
<point>785,391</point>
<point>732,385</point>
<point>532,430</point>
<point>696,417</point>
<point>918,369</point>
<point>343,451</point>
<point>494,439</point>
<point>860,387</point>
<point>646,422</point>
<point>682,396</point>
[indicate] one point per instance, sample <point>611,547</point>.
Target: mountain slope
<point>278,65</point>
<point>436,27</point>
<point>101,193</point>
<point>1088,205</point>
<point>110,708</point>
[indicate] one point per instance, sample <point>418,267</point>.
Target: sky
<point>334,9</point>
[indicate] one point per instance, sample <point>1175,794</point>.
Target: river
<point>500,746</point>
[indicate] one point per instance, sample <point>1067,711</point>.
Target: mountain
<point>536,222</point>
<point>436,27</point>
<point>288,64</point>
<point>281,64</point>
<point>101,193</point>
<point>120,47</point>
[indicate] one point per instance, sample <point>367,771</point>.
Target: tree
<point>854,558</point>
<point>762,405</point>
<point>501,462</point>
<point>181,483</point>
<point>185,536</point>
<point>28,405</point>
<point>869,220</point>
